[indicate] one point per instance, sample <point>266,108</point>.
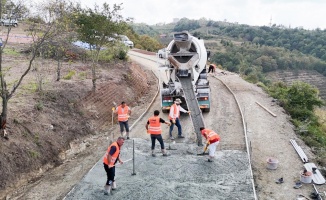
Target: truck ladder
<point>192,103</point>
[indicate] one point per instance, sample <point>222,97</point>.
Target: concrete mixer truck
<point>185,67</point>
<point>184,76</point>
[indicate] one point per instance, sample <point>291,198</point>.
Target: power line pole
<point>270,22</point>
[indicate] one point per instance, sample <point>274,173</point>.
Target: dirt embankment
<point>42,126</point>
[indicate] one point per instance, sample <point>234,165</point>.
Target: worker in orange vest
<point>111,157</point>
<point>124,113</point>
<point>213,139</point>
<point>153,127</point>
<point>174,117</point>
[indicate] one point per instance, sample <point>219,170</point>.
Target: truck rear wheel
<point>165,111</point>
<point>206,109</point>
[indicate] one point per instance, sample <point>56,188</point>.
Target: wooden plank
<point>317,177</point>
<point>270,112</point>
<point>299,150</point>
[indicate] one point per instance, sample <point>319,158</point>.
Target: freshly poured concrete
<point>181,175</point>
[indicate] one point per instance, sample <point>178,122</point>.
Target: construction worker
<point>213,139</point>
<point>111,157</point>
<point>124,113</point>
<point>153,127</point>
<point>174,117</point>
<point>3,128</point>
<point>211,68</point>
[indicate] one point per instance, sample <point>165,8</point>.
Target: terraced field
<point>311,77</point>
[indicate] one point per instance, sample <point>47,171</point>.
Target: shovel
<point>205,149</point>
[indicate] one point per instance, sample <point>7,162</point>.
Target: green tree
<point>185,24</point>
<point>304,96</point>
<point>96,26</point>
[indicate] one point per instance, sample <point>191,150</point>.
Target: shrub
<point>33,154</point>
<point>39,106</point>
<point>82,75</point>
<point>122,55</point>
<point>69,75</point>
<point>300,99</point>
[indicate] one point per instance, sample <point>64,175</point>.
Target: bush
<point>300,100</point>
<point>69,75</point>
<point>122,55</point>
<point>39,106</point>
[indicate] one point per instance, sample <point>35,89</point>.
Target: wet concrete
<point>181,175</point>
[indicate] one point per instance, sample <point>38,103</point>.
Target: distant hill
<point>258,53</point>
<point>251,50</point>
<point>310,42</point>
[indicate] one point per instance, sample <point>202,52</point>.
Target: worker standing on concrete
<point>111,157</point>
<point>124,113</point>
<point>174,117</point>
<point>153,127</point>
<point>213,139</point>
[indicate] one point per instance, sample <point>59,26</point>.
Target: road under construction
<point>183,174</point>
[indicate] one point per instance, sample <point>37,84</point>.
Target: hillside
<point>311,77</point>
<point>49,127</point>
<point>253,51</point>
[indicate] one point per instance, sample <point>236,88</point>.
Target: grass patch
<point>82,75</point>
<point>69,75</point>
<point>39,106</point>
<point>11,52</point>
<point>321,114</point>
<point>31,86</point>
<point>34,154</point>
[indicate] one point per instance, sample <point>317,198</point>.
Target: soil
<point>60,125</point>
<point>57,135</point>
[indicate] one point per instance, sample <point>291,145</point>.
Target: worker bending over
<point>212,139</point>
<point>153,127</point>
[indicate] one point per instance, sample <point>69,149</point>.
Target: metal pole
<point>133,158</point>
<point>112,114</point>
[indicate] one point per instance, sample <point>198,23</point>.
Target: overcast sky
<point>309,14</point>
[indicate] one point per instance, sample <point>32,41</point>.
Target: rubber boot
<point>5,134</point>
<point>164,152</point>
<point>107,189</point>
<point>153,153</point>
<point>114,185</point>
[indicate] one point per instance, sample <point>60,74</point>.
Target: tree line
<point>250,59</point>
<point>262,48</point>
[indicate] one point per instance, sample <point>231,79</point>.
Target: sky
<point>308,14</point>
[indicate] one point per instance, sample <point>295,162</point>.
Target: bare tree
<point>40,33</point>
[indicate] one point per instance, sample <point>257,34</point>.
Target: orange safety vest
<point>123,116</point>
<point>154,125</point>
<point>210,135</point>
<point>114,156</point>
<point>175,111</point>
